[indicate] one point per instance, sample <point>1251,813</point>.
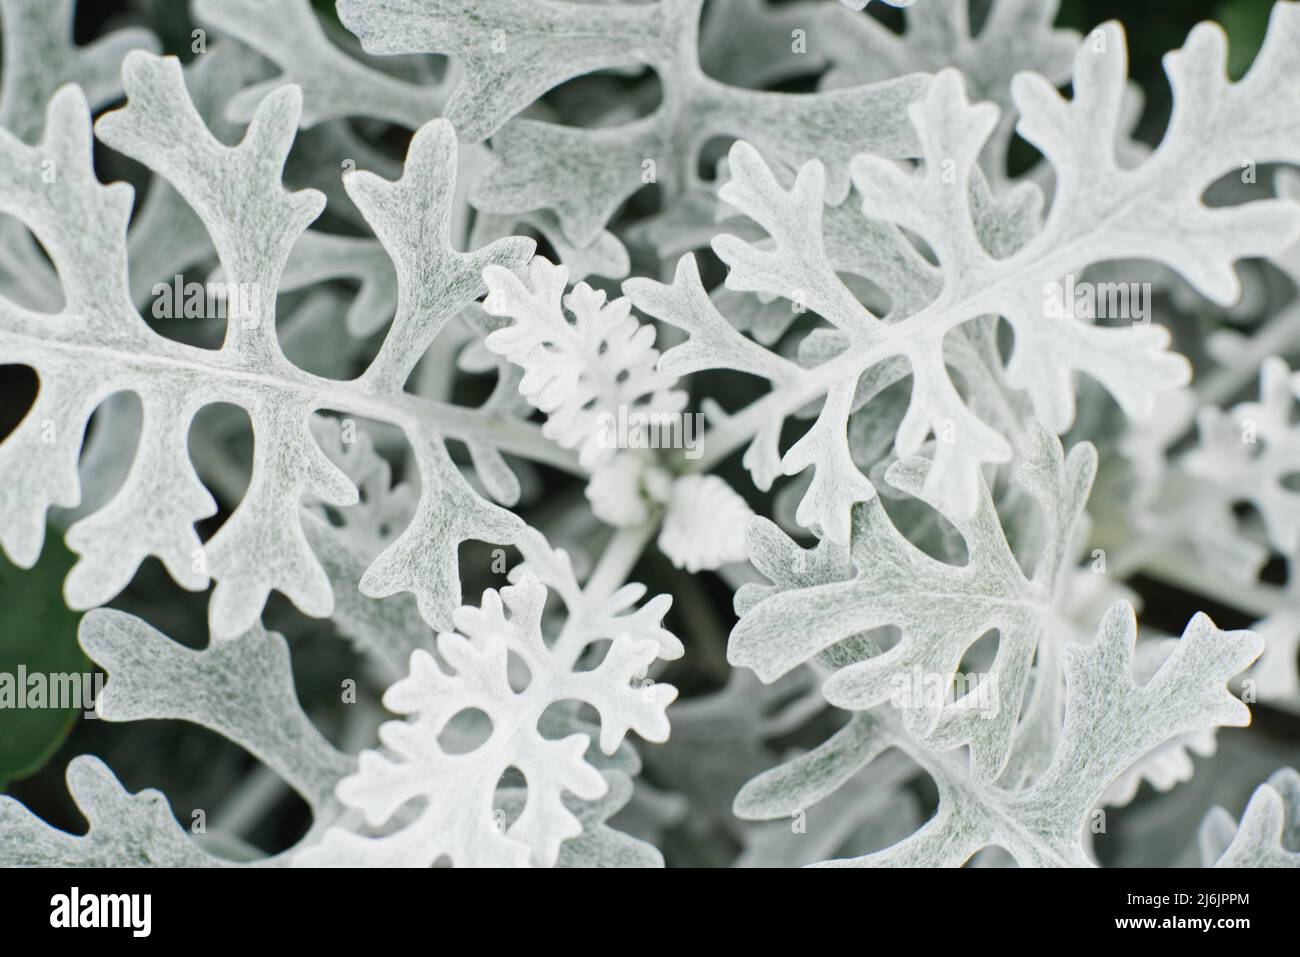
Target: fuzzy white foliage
<point>1100,211</point>
<point>1109,722</point>
<point>1269,833</point>
<point>581,369</point>
<point>254,224</point>
<point>940,609</point>
<point>515,50</point>
<point>874,244</point>
<point>1248,453</point>
<point>704,526</point>
<point>241,688</point>
<point>471,672</point>
<point>334,84</point>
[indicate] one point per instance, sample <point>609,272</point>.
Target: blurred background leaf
<point>38,632</point>
<point>1246,22</point>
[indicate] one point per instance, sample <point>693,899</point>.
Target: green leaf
<point>39,633</point>
<point>1246,22</point>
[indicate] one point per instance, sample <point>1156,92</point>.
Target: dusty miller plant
<point>942,377</point>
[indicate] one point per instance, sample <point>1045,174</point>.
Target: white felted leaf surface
<point>253,223</point>
<point>1100,211</point>
<point>126,830</point>
<point>705,523</point>
<point>799,243</point>
<point>1110,721</point>
<point>334,84</point>
<point>577,369</point>
<point>1269,832</point>
<point>458,790</point>
<point>241,689</point>
<point>940,609</point>
<point>1247,453</point>
<point>516,50</point>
